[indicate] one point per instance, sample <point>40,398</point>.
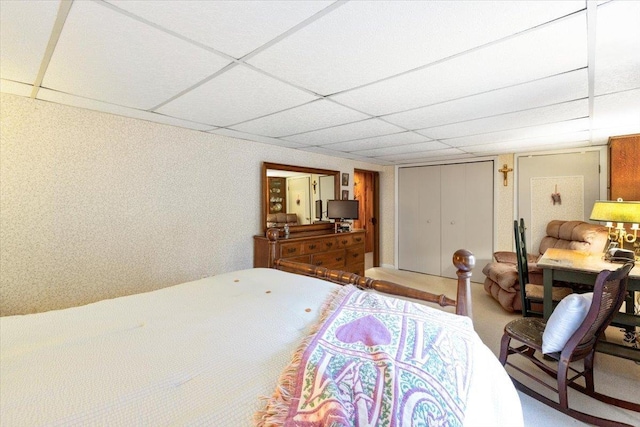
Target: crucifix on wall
<point>505,170</point>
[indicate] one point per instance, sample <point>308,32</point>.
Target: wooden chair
<point>530,293</point>
<point>608,294</point>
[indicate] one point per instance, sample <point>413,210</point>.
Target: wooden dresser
<point>337,251</point>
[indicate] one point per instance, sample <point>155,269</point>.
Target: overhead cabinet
<point>442,209</point>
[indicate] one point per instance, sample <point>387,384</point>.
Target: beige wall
<point>504,205</point>
<point>95,205</point>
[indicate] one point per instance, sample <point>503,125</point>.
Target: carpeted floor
<point>614,376</point>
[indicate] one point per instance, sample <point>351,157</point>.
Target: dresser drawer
<point>350,240</point>
<point>355,255</point>
<point>319,245</point>
<point>331,260</point>
<point>288,250</point>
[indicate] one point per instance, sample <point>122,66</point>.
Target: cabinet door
<point>453,205</point>
<point>624,167</point>
<point>419,219</point>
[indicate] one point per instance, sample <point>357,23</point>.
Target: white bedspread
<point>200,353</point>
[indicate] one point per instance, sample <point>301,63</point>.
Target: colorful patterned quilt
<point>374,360</point>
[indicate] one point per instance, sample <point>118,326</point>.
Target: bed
<point>208,352</point>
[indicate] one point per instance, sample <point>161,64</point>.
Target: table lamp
<point>620,212</point>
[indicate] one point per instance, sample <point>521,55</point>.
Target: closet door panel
<point>453,207</point>
<point>408,215</point>
<point>419,219</point>
<point>479,219</point>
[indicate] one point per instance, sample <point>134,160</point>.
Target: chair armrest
<point>504,274</point>
<point>506,257</point>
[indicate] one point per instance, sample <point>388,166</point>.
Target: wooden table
<point>580,267</point>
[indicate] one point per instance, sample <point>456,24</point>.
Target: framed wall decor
<point>345,179</point>
<point>345,194</point>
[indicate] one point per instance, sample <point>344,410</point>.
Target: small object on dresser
<point>286,230</point>
<point>619,255</point>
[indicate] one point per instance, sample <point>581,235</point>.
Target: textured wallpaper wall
<point>95,206</point>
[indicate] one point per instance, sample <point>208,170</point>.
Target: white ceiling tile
<point>520,119</point>
<point>404,149</point>
<point>549,142</point>
<point>105,55</point>
<point>545,51</point>
<point>359,130</point>
<point>235,96</point>
<point>91,104</point>
<point>402,138</point>
<point>315,115</point>
<point>362,42</point>
<point>256,138</point>
<point>25,28</point>
<point>448,153</point>
<point>8,86</point>
<point>328,152</point>
<point>233,27</point>
<point>617,110</point>
<point>617,55</point>
<point>539,93</point>
<point>522,133</point>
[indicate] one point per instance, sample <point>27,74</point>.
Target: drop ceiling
<point>386,82</point>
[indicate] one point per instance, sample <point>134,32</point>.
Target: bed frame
<point>463,260</point>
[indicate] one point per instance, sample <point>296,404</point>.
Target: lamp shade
<point>620,211</point>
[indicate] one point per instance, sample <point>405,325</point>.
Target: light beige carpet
<point>614,376</point>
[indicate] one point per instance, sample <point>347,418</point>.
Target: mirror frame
<point>302,169</point>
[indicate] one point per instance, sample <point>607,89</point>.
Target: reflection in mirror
<point>297,195</point>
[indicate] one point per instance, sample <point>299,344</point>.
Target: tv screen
<point>342,209</point>
<point>318,209</point>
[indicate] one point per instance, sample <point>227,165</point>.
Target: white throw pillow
<point>564,321</point>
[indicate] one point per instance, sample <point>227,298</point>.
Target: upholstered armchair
<point>280,219</point>
<point>501,280</point>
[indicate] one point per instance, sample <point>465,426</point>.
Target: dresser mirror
<point>300,192</point>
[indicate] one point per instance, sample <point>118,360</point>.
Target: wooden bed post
<point>464,261</point>
<point>272,235</point>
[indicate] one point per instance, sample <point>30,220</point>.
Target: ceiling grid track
<point>61,17</point>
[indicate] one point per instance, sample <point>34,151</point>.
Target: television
<point>318,209</point>
<point>342,209</point>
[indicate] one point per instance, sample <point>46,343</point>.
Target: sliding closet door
<point>419,219</point>
<point>467,214</point>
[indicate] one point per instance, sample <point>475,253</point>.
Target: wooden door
<point>365,191</point>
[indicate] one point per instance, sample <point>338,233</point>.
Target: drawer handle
<point>318,263</point>
<point>339,258</point>
<point>291,250</point>
<point>329,244</point>
<point>312,246</point>
<point>358,239</point>
<point>344,242</point>
<point>354,255</point>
